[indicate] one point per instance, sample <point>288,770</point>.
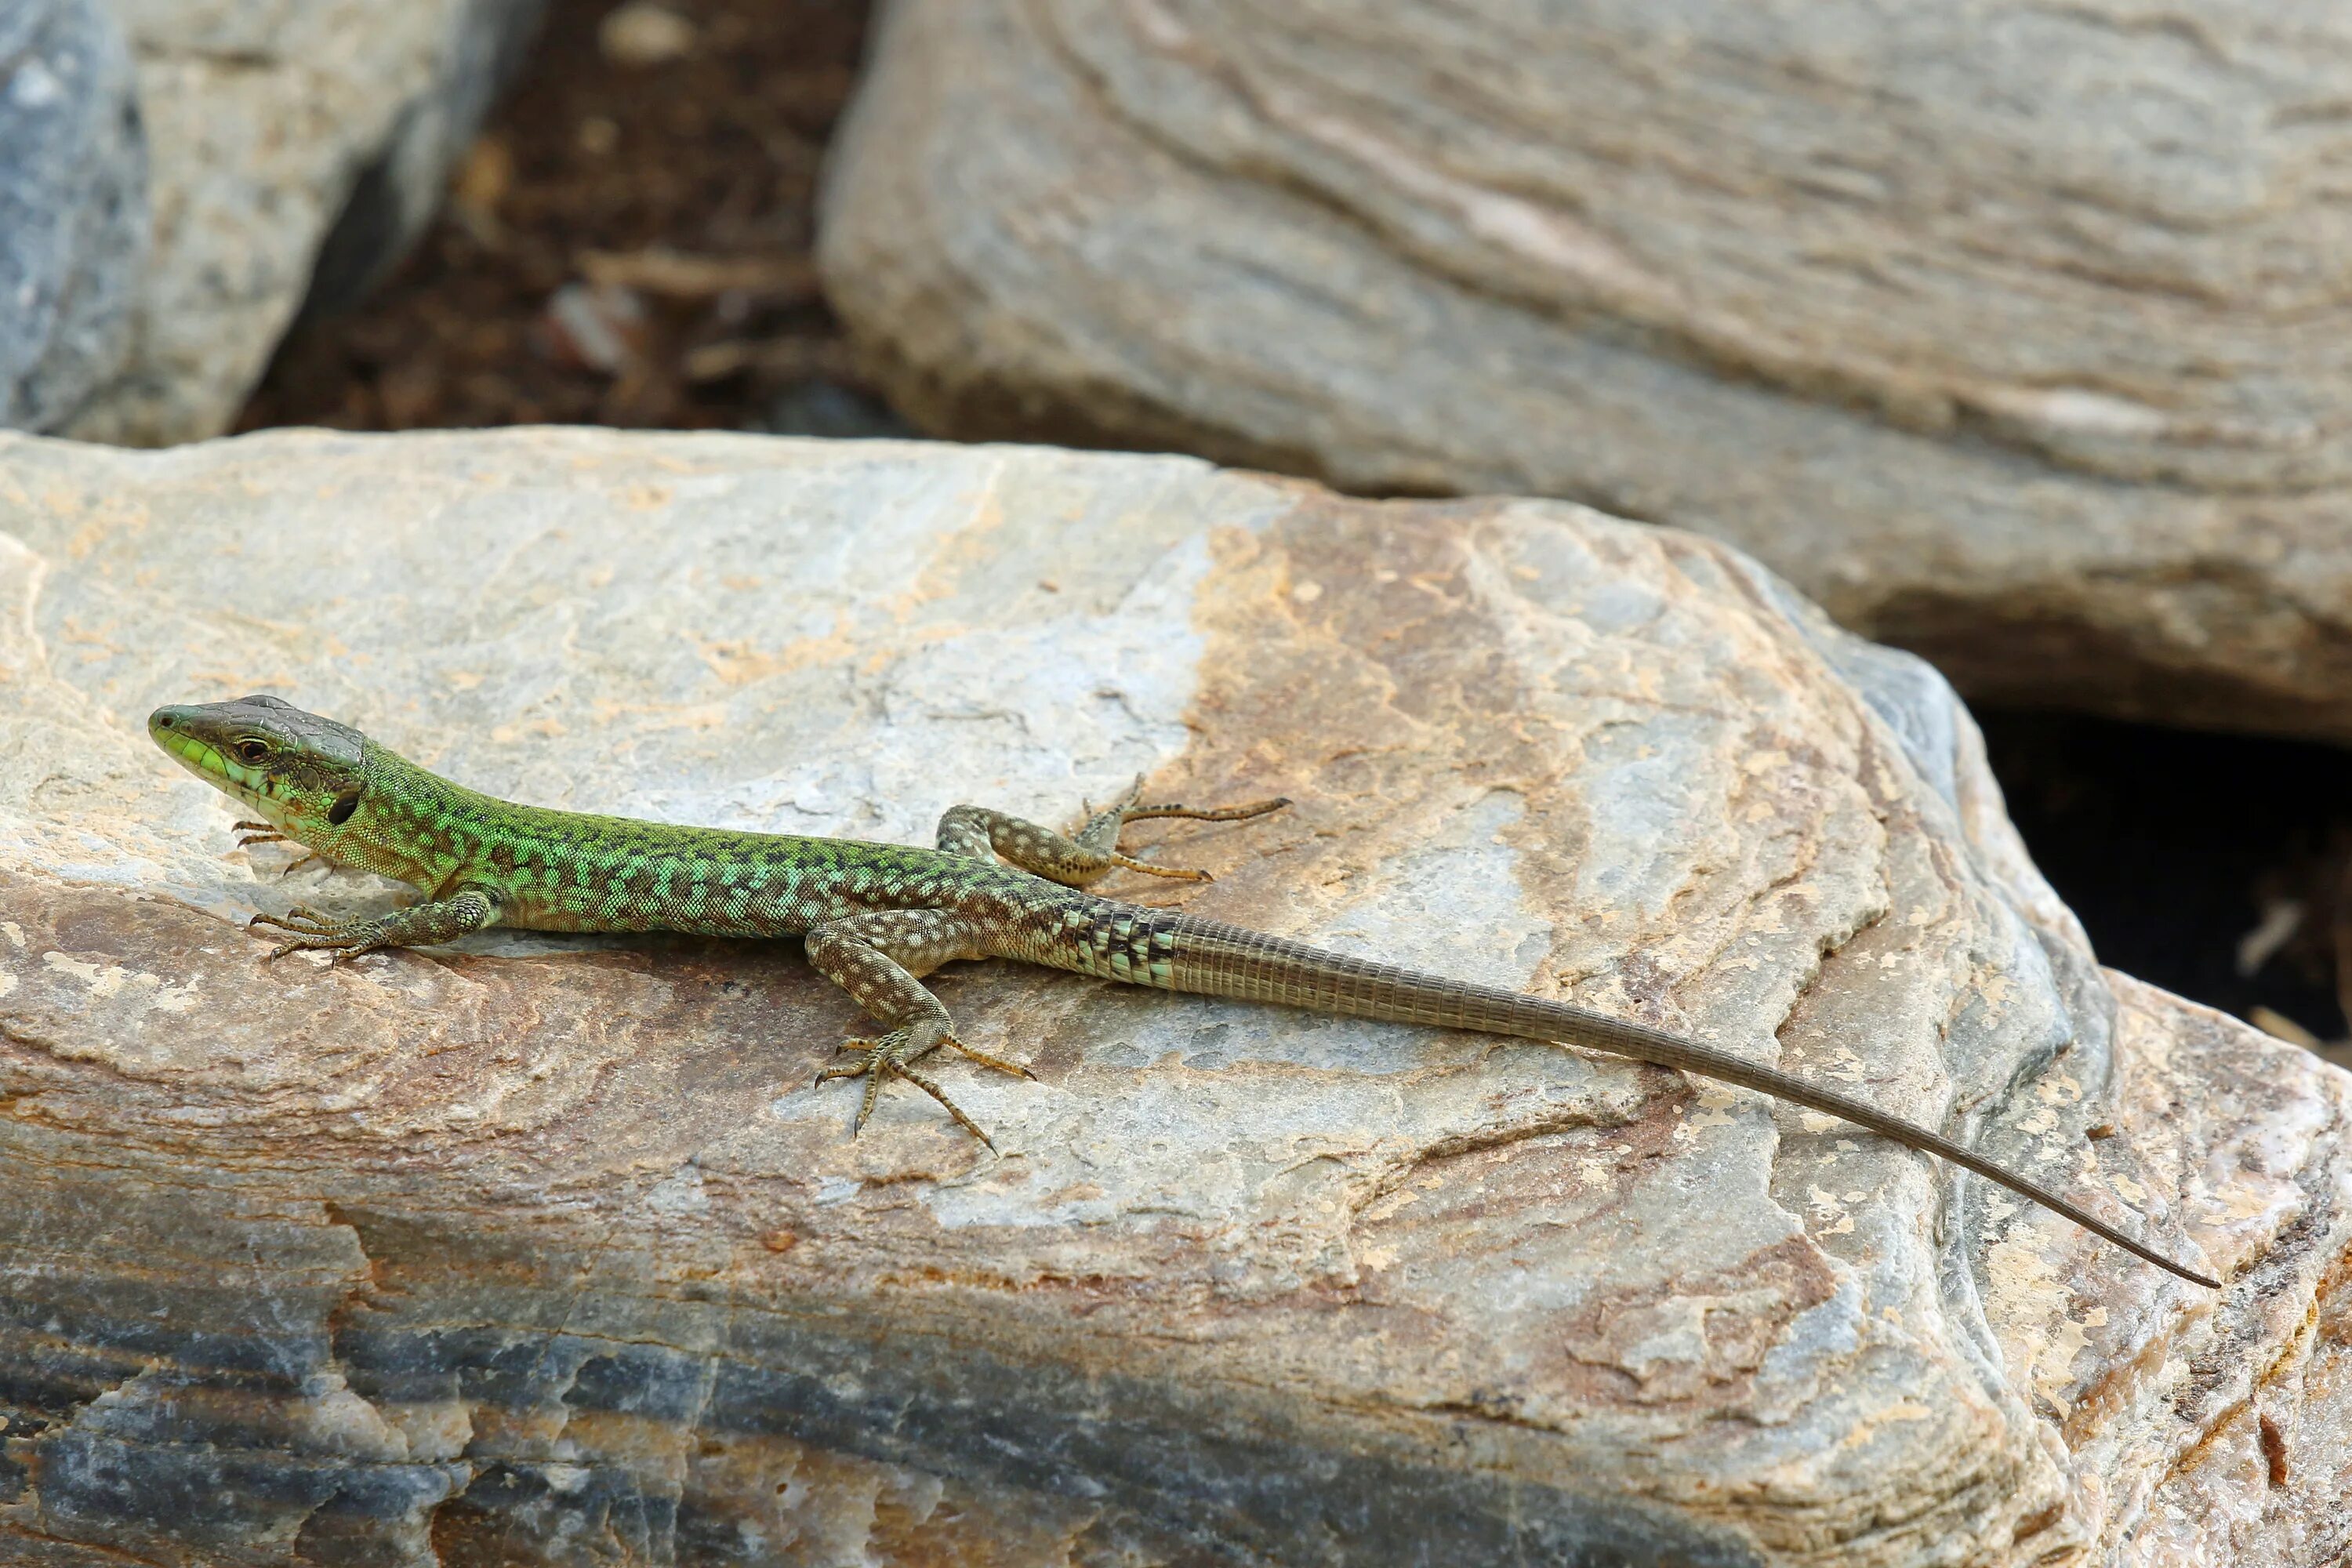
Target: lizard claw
<point>1174,873</point>
<point>1000,1062</point>
<point>295,920</point>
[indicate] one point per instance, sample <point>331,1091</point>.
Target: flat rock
<point>2007,332</point>
<point>545,1249</point>
<point>299,147</point>
<point>73,206</point>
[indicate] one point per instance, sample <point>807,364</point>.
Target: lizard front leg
<point>1090,855</point>
<point>467,910</point>
<point>878,959</point>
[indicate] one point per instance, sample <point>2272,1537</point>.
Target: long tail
<point>1210,958</point>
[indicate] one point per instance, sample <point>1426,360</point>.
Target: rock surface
<point>544,1250</point>
<point>2007,331</point>
<point>73,206</point>
<point>299,145</point>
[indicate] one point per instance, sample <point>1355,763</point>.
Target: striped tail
<point>1212,959</point>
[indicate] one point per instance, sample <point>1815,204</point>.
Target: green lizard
<point>875,917</point>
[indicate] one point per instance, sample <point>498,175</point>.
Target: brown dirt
<point>714,154</point>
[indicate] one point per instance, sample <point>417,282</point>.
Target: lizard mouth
<point>210,763</point>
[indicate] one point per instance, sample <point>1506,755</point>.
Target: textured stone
<point>544,1249</point>
<point>299,145</point>
<point>73,205</point>
<point>2007,331</point>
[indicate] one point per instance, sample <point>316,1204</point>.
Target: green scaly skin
<point>875,916</point>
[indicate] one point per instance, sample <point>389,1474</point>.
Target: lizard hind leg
<point>878,958</point>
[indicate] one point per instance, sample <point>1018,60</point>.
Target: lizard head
<point>302,774</point>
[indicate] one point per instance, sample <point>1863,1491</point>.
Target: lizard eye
<point>250,749</point>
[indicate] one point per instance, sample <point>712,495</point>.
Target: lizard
<point>875,917</point>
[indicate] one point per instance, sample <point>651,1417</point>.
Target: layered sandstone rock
<point>544,1249</point>
<point>2009,332</point>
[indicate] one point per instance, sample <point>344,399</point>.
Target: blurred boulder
<point>300,148</point>
<point>73,205</point>
<point>2012,333</point>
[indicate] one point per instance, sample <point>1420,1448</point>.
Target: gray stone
<point>2007,333</point>
<point>544,1249</point>
<point>300,147</point>
<point>73,206</point>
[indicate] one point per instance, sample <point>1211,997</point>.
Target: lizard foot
<point>890,1057</point>
<point>312,931</point>
<point>339,949</point>
<point>1131,808</point>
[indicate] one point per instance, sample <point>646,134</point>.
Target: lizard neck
<point>414,825</point>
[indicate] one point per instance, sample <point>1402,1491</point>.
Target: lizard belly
<point>693,909</point>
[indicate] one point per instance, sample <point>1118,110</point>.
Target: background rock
<point>544,1248</point>
<point>299,145</point>
<point>73,205</point>
<point>2009,333</point>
